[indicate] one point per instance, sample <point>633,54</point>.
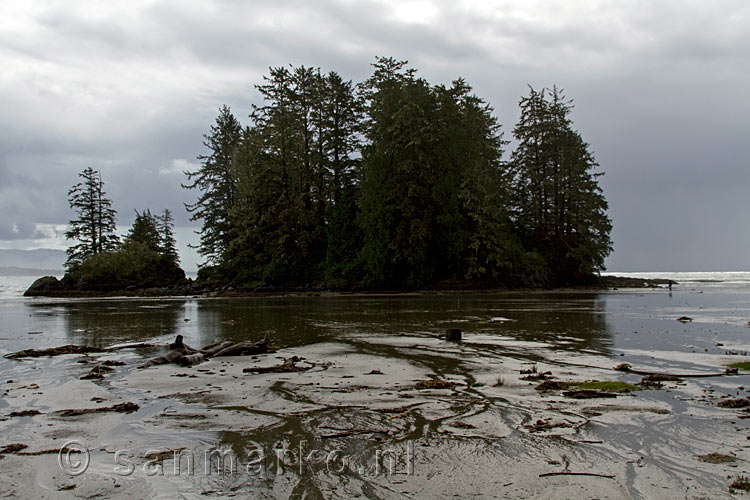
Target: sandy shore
<point>356,425</point>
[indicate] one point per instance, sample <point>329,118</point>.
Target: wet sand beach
<point>383,406</point>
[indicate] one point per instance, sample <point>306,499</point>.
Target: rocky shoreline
<point>50,286</point>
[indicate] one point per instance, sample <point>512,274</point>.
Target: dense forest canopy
<point>392,183</point>
<point>396,183</point>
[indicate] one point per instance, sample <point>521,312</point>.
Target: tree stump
<point>453,335</point>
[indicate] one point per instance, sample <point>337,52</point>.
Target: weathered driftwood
<point>566,473</point>
<point>170,357</point>
<point>244,348</point>
<point>659,376</point>
<point>72,349</point>
<point>127,407</point>
<point>185,355</point>
<point>288,366</point>
<point>190,359</point>
<point>210,350</point>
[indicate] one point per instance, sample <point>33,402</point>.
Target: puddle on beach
<point>355,424</point>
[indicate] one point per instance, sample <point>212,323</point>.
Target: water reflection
<point>572,321</point>
<point>105,322</point>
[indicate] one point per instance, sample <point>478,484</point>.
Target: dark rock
<point>453,334</point>
<point>42,286</point>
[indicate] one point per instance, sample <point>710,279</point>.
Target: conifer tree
<point>95,224</point>
<point>144,230</point>
<point>216,183</point>
<point>167,242</point>
<point>560,209</point>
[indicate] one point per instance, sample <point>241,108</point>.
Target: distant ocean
<point>719,279</point>
<point>12,287</point>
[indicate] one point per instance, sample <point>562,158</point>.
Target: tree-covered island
<point>389,184</point>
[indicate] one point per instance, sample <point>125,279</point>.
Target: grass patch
<point>605,385</point>
<point>592,385</point>
<point>742,365</point>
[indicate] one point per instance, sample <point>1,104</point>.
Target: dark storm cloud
<point>130,87</point>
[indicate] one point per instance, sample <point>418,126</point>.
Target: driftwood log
<point>185,355</point>
<point>73,349</point>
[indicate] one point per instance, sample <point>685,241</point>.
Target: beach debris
<point>110,362</point>
<point>288,366</point>
<point>567,473</point>
<point>24,413</point>
<point>350,432</point>
<point>551,385</point>
<point>191,359</point>
<point>588,394</point>
<point>55,351</point>
<point>375,372</point>
<point>97,372</point>
<point>538,376</point>
<point>625,367</point>
<point>499,319</point>
<point>716,458</point>
<point>741,483</point>
<point>734,403</point>
<point>72,349</point>
<point>17,449</point>
<point>656,379</point>
<point>434,384</point>
<point>13,448</point>
<point>185,355</point>
<point>684,319</point>
<point>453,334</point>
<point>546,425</point>
<point>126,407</point>
<point>160,456</point>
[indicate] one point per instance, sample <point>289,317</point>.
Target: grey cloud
<point>131,87</point>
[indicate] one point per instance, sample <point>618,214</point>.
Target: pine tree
<point>560,209</point>
<point>95,224</point>
<point>216,182</point>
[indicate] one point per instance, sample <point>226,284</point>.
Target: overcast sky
<point>661,90</point>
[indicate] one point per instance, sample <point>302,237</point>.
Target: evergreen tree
<point>397,208</point>
<point>95,224</point>
<point>434,186</point>
<point>167,242</point>
<point>560,210</point>
<point>293,164</point>
<point>216,182</point>
<point>144,230</point>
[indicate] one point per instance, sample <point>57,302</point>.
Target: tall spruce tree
<point>398,211</point>
<point>167,242</point>
<point>560,209</point>
<point>216,183</point>
<point>95,224</point>
<point>293,164</point>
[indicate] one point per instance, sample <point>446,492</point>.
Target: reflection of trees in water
<point>105,322</point>
<point>573,321</point>
<point>289,321</point>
